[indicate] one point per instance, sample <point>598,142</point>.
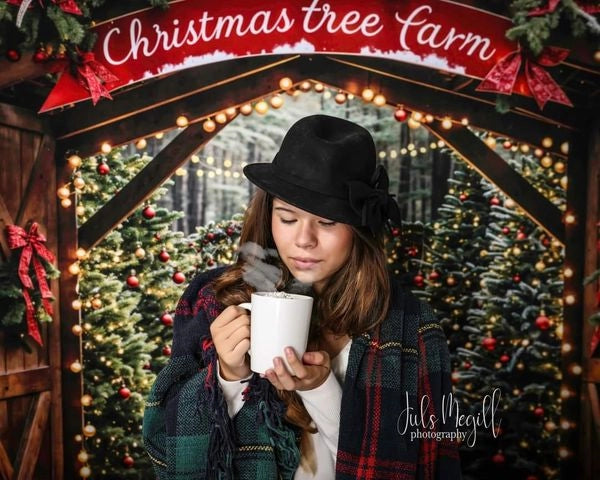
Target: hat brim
<point>264,176</point>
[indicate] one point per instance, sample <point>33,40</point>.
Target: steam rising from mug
<point>261,272</point>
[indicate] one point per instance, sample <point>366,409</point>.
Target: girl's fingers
<point>284,377</point>
<point>316,358</point>
<point>236,337</point>
<point>295,363</point>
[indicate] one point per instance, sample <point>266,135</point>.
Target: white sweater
<point>323,405</point>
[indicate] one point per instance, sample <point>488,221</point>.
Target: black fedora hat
<point>327,166</point>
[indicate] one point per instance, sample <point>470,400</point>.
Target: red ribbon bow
<point>32,242</point>
<point>552,4</point>
<point>95,77</point>
<point>502,77</point>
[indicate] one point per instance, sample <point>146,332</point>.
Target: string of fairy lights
<point>207,166</point>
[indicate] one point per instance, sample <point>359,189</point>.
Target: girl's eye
<point>287,221</point>
<point>328,224</point>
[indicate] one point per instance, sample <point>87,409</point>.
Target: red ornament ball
<point>178,277</point>
<point>462,197</point>
<point>128,461</point>
<point>400,115</point>
<point>542,322</point>
<point>147,366</point>
<point>103,168</point>
<point>434,275</point>
<point>505,230</point>
<point>418,280</point>
<point>504,358</point>
<point>40,56</point>
<point>395,232</point>
<point>521,236</point>
<point>495,201</point>
<point>538,412</point>
<point>506,144</point>
<point>468,365</point>
<point>164,256</point>
<point>148,212</point>
<point>489,343</point>
<point>166,351</point>
<point>133,281</point>
<point>498,458</point>
<point>13,55</point>
<point>230,231</point>
<point>210,262</point>
<point>166,319</point>
<point>210,236</point>
<point>124,392</point>
<point>517,278</point>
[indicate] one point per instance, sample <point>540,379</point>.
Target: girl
<point>366,399</point>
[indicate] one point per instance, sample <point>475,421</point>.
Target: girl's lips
<point>305,264</point>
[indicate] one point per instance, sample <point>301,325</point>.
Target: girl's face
<point>311,247</point>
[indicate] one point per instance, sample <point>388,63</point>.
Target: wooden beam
<point>493,167</point>
<point>25,382</point>
<point>143,184</point>
<point>5,220</point>
<point>17,72</point>
<point>32,440</point>
<point>71,347</point>
<point>145,97</point>
<point>36,184</point>
<point>23,119</point>
<point>6,468</point>
<point>400,89</point>
<point>229,92</point>
<point>573,314</point>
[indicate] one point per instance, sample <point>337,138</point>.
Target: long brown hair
<point>355,299</point>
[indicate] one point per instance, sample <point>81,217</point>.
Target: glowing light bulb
<point>74,161</point>
<point>106,148</point>
<point>368,94</point>
<point>182,121</point>
<point>446,123</point>
<point>285,83</point>
<point>141,144</point>
<point>261,107</point>
<point>379,100</point>
<point>221,118</point>
<point>209,126</point>
<point>276,101</point>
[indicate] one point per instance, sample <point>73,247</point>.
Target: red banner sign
<point>440,34</point>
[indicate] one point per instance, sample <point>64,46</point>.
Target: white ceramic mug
<point>277,320</point>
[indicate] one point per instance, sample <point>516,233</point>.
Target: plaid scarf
<point>188,433</point>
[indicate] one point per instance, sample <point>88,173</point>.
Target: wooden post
<point>72,383</point>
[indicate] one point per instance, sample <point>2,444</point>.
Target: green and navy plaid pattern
<point>406,356</point>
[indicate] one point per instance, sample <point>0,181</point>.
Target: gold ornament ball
<point>85,472</point>
<point>76,366</point>
<point>319,87</point>
<point>96,303</point>
<point>524,148</point>
<point>82,456</point>
<point>547,142</point>
<point>261,107</point>
<point>546,161</point>
<point>451,281</point>
<point>516,251</point>
<point>559,167</point>
<point>209,126</point>
<point>230,112</point>
<point>63,192</point>
<point>86,400</point>
<point>77,329</point>
<point>80,210</point>
<point>305,86</point>
<point>285,83</point>
<point>379,100</point>
<point>78,438</point>
<point>89,430</point>
<point>74,161</point>
<point>510,203</point>
<point>140,252</point>
<point>246,109</point>
<point>540,266</point>
<point>66,202</point>
<point>182,121</point>
<point>340,98</point>
<point>413,124</point>
<point>468,345</point>
<point>221,118</point>
<point>564,148</point>
<point>550,426</point>
<point>490,141</point>
<point>276,101</point>
<point>483,253</point>
<point>141,144</point>
<point>79,183</point>
<point>564,182</point>
<point>368,94</point>
<point>76,304</point>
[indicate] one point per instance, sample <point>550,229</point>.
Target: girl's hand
<point>230,333</point>
<point>311,372</point>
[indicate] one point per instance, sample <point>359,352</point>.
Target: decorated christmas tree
<point>513,345</point>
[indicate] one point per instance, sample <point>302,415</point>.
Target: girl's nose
<point>305,235</point>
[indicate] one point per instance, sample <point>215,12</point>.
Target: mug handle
<point>247,306</point>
